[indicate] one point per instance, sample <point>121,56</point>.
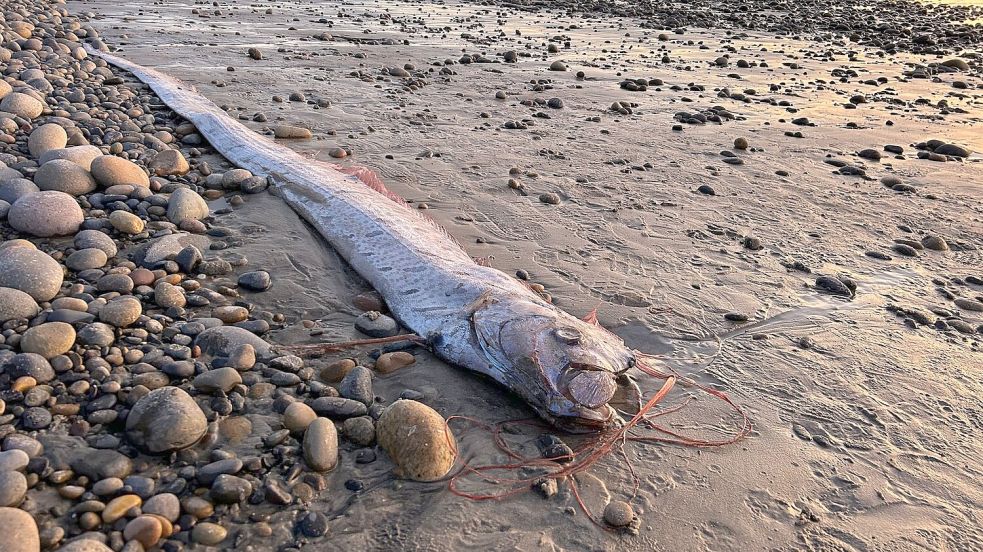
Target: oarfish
<point>473,316</point>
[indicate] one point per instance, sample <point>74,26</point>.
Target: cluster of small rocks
<point>129,354</point>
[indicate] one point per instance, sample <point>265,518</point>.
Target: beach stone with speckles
<point>417,440</point>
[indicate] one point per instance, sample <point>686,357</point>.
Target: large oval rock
<point>224,340</point>
<point>22,105</point>
<point>321,445</point>
<point>186,204</point>
<point>46,214</point>
<point>16,188</point>
<point>80,155</point>
<point>109,170</point>
<point>30,271</point>
<point>20,533</point>
<point>417,439</point>
<point>49,339</point>
<point>83,544</point>
<point>169,162</point>
<point>87,239</point>
<point>121,312</point>
<point>46,138</point>
<point>166,419</point>
<point>62,175</point>
<point>15,304</point>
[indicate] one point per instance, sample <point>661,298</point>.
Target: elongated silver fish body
<point>473,316</point>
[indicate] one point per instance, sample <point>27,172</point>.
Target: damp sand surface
<point>866,430</point>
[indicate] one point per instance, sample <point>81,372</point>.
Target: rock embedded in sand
<point>618,514</point>
<point>321,445</point>
<point>15,304</point>
<point>46,214</point>
<point>376,324</point>
<point>110,170</point>
<point>62,175</point>
<point>558,66</point>
<point>390,362</point>
<point>30,271</point>
<point>209,534</point>
<point>740,143</point>
<point>20,532</point>
<point>22,105</point>
<point>49,339</point>
<point>165,420</point>
<point>257,280</point>
<point>223,340</point>
<point>289,132</point>
<point>46,138</point>
<point>417,439</point>
<point>185,204</point>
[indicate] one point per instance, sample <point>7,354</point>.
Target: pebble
<point>15,304</point>
<point>119,506</point>
<point>618,514</point>
<point>357,385</point>
<point>13,488</point>
<point>288,132</point>
<point>86,259</point>
<point>164,420</point>
<point>80,155</point>
<point>321,445</point>
<point>121,312</point>
<point>337,370</point>
<point>390,362</point>
<point>22,105</point>
<point>169,162</point>
<point>20,532</point>
<point>62,175</point>
<point>186,204</point>
<point>146,530</point>
<point>223,341</point>
<point>298,416</point>
<point>257,280</point>
<point>109,170</point>
<point>13,460</point>
<point>209,534</point>
<point>376,324</point>
<point>95,239</point>
<point>165,505</point>
<point>219,379</point>
<point>417,440</point>
<point>229,489</point>
<point>125,222</point>
<point>48,340</point>
<point>46,214</point>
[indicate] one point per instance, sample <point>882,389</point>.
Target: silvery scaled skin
<point>473,316</point>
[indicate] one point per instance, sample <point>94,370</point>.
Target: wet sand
<point>864,427</point>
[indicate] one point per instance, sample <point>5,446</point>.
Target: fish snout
<point>592,388</point>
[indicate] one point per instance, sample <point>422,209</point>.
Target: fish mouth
<point>586,420</point>
<point>588,385</point>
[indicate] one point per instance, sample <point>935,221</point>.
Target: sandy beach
<point>764,211</point>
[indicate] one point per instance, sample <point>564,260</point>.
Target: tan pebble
<point>71,492</point>
<point>144,529</point>
<point>65,409</point>
<point>417,439</point>
<point>208,534</point>
<point>298,416</point>
<point>390,362</point>
<point>89,521</point>
<point>197,507</point>
<point>24,384</point>
<point>166,527</point>
<point>119,506</point>
<point>262,529</point>
<point>230,314</point>
<point>337,370</point>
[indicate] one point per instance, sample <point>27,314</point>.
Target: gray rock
<point>321,445</point>
<point>229,489</point>
<point>97,464</point>
<point>86,259</point>
<point>30,271</point>
<point>12,190</point>
<point>257,280</point>
<point>13,487</point>
<point>46,214</point>
<point>94,239</point>
<point>26,443</point>
<point>121,312</point>
<point>30,364</point>
<point>223,379</point>
<point>357,385</point>
<point>375,324</point>
<point>85,543</point>
<point>97,334</point>
<point>109,170</point>
<point>15,304</point>
<point>13,460</point>
<point>338,407</point>
<point>223,340</point>
<point>165,505</point>
<point>188,259</point>
<point>80,155</point>
<point>209,472</point>
<point>166,419</point>
<point>22,105</point>
<point>61,175</point>
<point>186,204</point>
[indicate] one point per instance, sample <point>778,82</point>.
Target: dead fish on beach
<point>476,317</point>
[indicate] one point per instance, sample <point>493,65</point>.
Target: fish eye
<point>569,336</point>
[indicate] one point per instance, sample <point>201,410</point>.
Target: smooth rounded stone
<point>338,407</point>
<point>121,312</point>
<point>46,138</point>
<point>26,443</point>
<point>229,489</point>
<point>417,440</point>
<point>833,285</point>
<point>905,249</point>
<point>321,445</point>
<point>86,259</point>
<point>13,488</point>
<point>210,472</point>
<point>223,340</point>
<point>61,175</point>
<point>289,132</point>
<point>20,532</point>
<point>30,271</point>
<point>94,239</point>
<point>375,324</point>
<point>558,66</point>
<point>99,464</point>
<point>219,379</point>
<point>49,339</point>
<point>185,204</point>
<point>740,143</point>
<point>357,385</point>
<point>165,505</point>
<point>297,417</point>
<point>30,364</point>
<point>15,304</point>
<point>80,155</point>
<point>22,105</point>
<point>169,162</point>
<point>390,362</point>
<point>968,304</point>
<point>109,170</point>
<point>164,420</point>
<point>208,534</point>
<point>13,189</point>
<point>167,295</point>
<point>230,314</point>
<point>125,222</point>
<point>953,150</point>
<point>549,198</point>
<point>618,514</point>
<point>337,370</point>
<point>85,545</point>
<point>46,214</point>
<point>313,525</point>
<point>360,430</point>
<point>35,418</point>
<point>935,243</point>
<point>870,154</point>
<point>13,460</point>
<point>146,530</point>
<point>257,280</point>
<point>243,357</point>
<point>120,283</point>
<point>117,507</point>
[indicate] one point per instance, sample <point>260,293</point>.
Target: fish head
<point>566,369</point>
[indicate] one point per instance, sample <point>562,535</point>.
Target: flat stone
<point>13,488</point>
<point>219,379</point>
<point>80,155</point>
